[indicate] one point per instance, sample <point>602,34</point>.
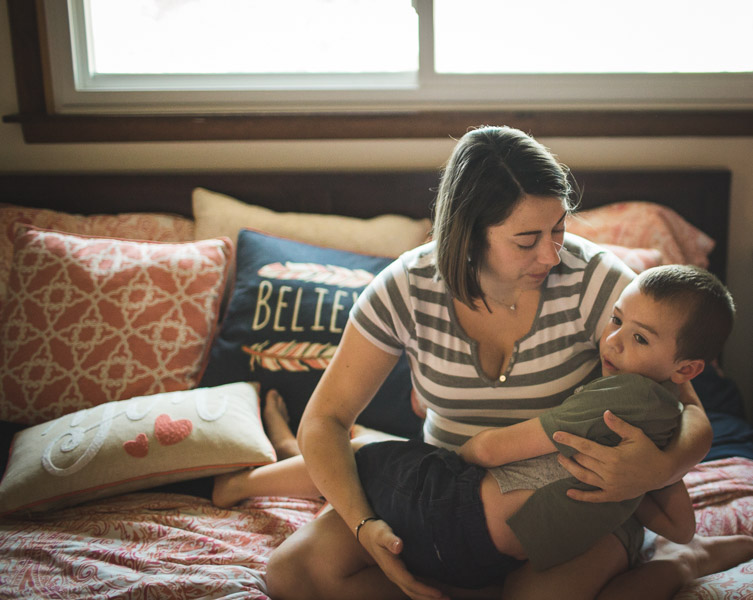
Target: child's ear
<point>687,370</point>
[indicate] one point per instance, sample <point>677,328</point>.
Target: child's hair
<point>706,302</point>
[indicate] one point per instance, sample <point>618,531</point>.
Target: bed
<point>128,514</point>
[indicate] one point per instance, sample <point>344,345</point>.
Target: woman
<point>500,317</point>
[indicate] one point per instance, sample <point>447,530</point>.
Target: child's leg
<point>674,565</point>
<point>288,476</point>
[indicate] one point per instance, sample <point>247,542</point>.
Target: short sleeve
<point>381,312</point>
<point>604,278</point>
<point>636,399</point>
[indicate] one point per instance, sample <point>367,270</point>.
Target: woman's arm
<point>619,472</point>
<point>669,512</point>
<point>348,384</point>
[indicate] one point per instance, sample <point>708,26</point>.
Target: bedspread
<point>722,494</point>
<point>173,546</point>
<point>147,546</point>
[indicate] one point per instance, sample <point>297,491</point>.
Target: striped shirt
<point>407,308</point>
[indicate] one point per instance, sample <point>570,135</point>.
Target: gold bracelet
<point>361,524</point>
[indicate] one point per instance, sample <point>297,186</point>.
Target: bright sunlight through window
<point>593,36</point>
<point>393,55</point>
<point>252,36</point>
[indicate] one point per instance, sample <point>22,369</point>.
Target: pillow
<point>144,226</point>
<point>134,444</point>
<point>284,320</point>
<point>638,259</point>
<point>644,225</point>
<point>91,320</point>
<point>387,235</point>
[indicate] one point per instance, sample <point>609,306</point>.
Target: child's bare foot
<point>229,488</point>
<point>706,555</point>
<point>277,426</point>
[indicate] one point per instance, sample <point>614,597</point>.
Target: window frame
<point>42,123</point>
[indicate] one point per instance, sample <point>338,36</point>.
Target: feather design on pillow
<point>290,356</point>
<point>316,273</point>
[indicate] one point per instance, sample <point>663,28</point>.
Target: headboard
<point>700,196</point>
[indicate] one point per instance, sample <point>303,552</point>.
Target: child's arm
<point>669,512</point>
<point>502,445</point>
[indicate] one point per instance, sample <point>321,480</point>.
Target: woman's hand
<point>385,547</point>
<point>620,472</point>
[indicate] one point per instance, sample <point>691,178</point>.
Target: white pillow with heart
<point>134,444</point>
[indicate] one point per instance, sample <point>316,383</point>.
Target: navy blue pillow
<point>285,318</point>
<point>720,396</point>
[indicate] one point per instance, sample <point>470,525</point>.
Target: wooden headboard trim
<point>700,196</point>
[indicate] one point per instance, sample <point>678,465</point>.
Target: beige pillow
<point>134,444</point>
<point>387,235</point>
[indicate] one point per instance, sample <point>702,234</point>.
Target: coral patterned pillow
<point>91,320</point>
<point>638,259</point>
<point>644,225</point>
<point>143,226</point>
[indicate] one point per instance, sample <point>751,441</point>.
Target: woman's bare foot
<point>277,426</point>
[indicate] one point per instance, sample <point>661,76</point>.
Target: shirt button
<point>503,378</point>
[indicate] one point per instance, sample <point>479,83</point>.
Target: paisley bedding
<point>147,545</point>
<point>166,545</point>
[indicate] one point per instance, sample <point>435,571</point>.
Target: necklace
<point>511,307</point>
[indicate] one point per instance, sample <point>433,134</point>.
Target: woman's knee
<point>298,567</point>
<point>287,571</point>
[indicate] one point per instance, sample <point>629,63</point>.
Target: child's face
<point>641,337</point>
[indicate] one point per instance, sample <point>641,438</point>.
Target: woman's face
<point>524,247</point>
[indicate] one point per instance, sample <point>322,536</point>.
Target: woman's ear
<point>688,369</point>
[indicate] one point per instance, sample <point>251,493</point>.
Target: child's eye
<point>616,320</point>
<point>640,339</point>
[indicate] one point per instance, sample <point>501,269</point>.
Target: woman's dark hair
<point>704,300</point>
<point>489,171</point>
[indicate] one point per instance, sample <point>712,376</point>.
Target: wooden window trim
<point>41,125</point>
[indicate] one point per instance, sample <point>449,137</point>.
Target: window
<point>173,55</point>
<point>593,36</point>
<point>423,69</point>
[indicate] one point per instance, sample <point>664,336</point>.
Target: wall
<point>735,154</point>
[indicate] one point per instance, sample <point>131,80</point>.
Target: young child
<point>466,522</point>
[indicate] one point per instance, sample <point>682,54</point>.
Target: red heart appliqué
<point>139,447</point>
<point>169,432</point>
